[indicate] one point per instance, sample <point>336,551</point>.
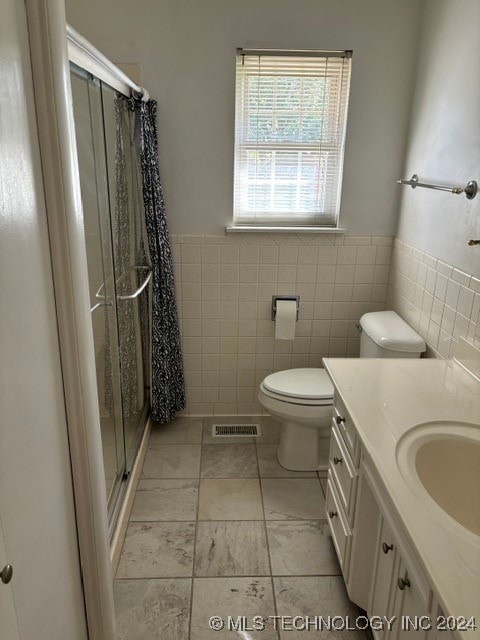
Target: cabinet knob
<point>339,419</point>
<point>337,460</point>
<point>332,513</point>
<point>386,547</point>
<point>6,574</point>
<point>403,582</point>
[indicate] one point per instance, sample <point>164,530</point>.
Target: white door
<point>8,616</point>
<point>36,495</point>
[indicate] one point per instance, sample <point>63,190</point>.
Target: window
<point>290,120</point>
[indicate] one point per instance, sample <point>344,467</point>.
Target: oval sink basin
<point>449,469</point>
<point>443,460</point>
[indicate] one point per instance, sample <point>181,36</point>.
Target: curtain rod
<point>101,63</point>
<point>347,53</point>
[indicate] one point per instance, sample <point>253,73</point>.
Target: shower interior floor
<point>219,528</point>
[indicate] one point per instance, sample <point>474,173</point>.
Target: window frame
<point>277,220</point>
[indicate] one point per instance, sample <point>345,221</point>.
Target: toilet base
<point>304,448</point>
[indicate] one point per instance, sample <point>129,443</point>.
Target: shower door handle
<point>136,293</point>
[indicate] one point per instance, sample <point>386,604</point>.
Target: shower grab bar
<point>107,303</point>
<point>136,293</point>
<point>100,296</point>
<point>470,190</point>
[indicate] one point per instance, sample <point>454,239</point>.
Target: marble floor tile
<point>230,499</point>
<point>157,550</point>
<point>231,549</point>
<point>152,609</point>
<point>172,461</point>
<point>165,500</point>
<point>301,548</point>
<point>207,430</point>
<point>231,597</point>
<point>293,499</point>
<point>269,466</point>
<point>180,431</point>
<point>229,461</point>
<point>315,596</point>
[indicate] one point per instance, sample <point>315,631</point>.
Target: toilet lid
<point>308,384</point>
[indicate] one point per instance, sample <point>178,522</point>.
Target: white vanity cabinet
<point>411,603</point>
<point>381,572</point>
<point>398,589</point>
<point>342,483</point>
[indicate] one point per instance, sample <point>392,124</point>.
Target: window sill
<point>265,229</point>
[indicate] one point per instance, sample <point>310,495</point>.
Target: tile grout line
<point>266,541</point>
<point>228,576</point>
<point>196,535</point>
<point>290,520</point>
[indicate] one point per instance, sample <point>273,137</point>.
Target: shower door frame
<point>51,78</point>
<point>89,59</point>
<point>77,55</point>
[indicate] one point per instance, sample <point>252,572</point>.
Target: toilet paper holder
<point>274,304</point>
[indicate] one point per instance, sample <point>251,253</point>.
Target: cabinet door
<point>383,574</point>
<point>435,633</point>
<point>411,605</point>
<point>8,616</point>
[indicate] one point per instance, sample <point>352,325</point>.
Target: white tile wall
<point>225,286</point>
<point>441,302</point>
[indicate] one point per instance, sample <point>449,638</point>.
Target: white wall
<point>434,277</point>
<point>36,499</point>
<point>187,52</point>
<point>444,141</point>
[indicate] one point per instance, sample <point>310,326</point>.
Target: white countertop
<point>385,399</point>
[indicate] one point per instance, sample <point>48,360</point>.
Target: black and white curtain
<point>167,381</point>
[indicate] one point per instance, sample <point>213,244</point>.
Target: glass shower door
<point>118,271</point>
<point>88,113</point>
<point>131,259</point>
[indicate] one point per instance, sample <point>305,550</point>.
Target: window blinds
<point>290,120</point>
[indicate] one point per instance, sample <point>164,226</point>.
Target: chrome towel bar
<point>470,190</point>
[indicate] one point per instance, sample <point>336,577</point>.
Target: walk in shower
<point>118,271</point>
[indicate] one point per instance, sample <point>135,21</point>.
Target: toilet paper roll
<point>285,319</point>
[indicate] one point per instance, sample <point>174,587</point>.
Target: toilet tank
<point>386,335</point>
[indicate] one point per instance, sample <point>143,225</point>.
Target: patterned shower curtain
<point>167,382</point>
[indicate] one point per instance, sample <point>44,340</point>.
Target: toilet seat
<point>308,387</point>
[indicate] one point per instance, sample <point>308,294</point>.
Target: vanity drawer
<point>346,428</point>
<point>343,471</point>
<point>339,529</point>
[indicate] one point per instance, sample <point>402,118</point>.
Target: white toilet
<point>302,399</point>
